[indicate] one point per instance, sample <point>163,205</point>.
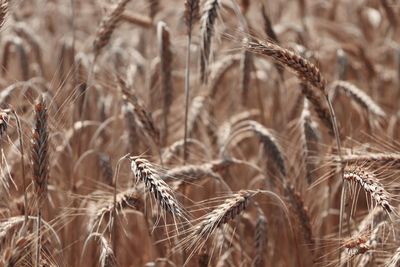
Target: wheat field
<point>199,133</point>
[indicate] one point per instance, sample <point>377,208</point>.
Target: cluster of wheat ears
<point>199,133</point>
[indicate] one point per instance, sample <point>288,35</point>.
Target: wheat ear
<point>40,162</point>
<point>359,96</point>
<point>107,26</point>
<point>368,181</point>
<point>210,14</point>
<point>107,257</point>
<point>260,237</point>
<point>163,37</point>
<point>145,172</point>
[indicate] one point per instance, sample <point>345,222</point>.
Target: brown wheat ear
<point>40,162</point>
<point>107,257</point>
<point>145,172</point>
<point>164,43</point>
<point>260,238</point>
<point>192,13</point>
<point>210,14</point>
<point>107,26</point>
<point>222,214</point>
<point>368,181</point>
<point>305,70</point>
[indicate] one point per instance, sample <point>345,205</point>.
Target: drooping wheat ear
<point>154,7</point>
<point>142,116</point>
<point>103,210</point>
<point>218,71</point>
<point>175,149</point>
<point>309,139</point>
<point>359,96</point>
<point>210,14</point>
<point>133,139</point>
<point>4,118</point>
<point>191,172</point>
<point>40,162</point>
<point>3,12</point>
<point>106,168</point>
<point>107,257</point>
<point>226,128</point>
<point>260,238</point>
<point>21,53</point>
<point>246,65</point>
<point>197,109</point>
<point>163,37</point>
<point>144,171</point>
<point>304,69</point>
<point>30,37</point>
<point>232,207</point>
<point>368,181</point>
<point>301,211</point>
<point>192,10</point>
<point>107,26</point>
<point>272,148</point>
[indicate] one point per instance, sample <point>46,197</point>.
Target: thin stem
<point>187,91</point>
<point>115,182</point>
<point>336,133</point>
<point>38,234</point>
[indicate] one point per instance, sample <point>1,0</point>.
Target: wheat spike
<point>107,26</point>
<point>359,96</point>
<point>210,14</point>
<point>145,172</point>
<point>163,37</point>
<point>368,181</point>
